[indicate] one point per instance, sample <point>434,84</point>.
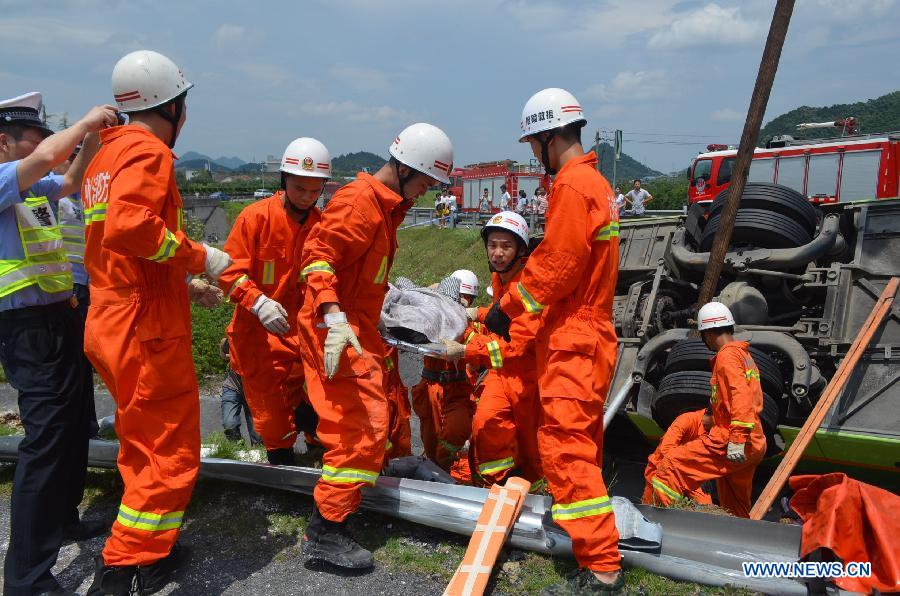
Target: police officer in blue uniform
<point>40,337</point>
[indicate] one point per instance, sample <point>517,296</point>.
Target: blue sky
<point>673,75</point>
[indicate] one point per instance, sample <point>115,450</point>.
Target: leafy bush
<point>208,330</point>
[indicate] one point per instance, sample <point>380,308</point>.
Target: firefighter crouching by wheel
<point>346,262</point>
<point>735,444</point>
<point>138,333</point>
<point>264,283</point>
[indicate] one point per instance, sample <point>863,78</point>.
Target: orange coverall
<point>346,260</point>
<point>138,335</point>
<point>265,245</point>
<point>508,414</point>
<point>737,400</point>
<point>443,402</point>
<point>685,428</point>
<point>571,279</point>
<point>399,443</point>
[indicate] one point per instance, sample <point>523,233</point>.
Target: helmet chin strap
<point>512,264</point>
<point>172,118</point>
<point>545,153</point>
<point>402,180</point>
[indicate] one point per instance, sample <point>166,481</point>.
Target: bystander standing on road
<point>638,198</point>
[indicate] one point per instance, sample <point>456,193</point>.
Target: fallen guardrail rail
<point>682,545</point>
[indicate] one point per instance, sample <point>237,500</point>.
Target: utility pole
<point>767,68</point>
<point>617,152</point>
<point>597,151</point>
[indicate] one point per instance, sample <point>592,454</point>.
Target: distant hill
<point>881,114</point>
<point>355,162</point>
<point>627,169</point>
<point>189,161</point>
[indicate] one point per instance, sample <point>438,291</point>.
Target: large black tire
<point>769,418</point>
<point>693,355</point>
<point>679,393</point>
<point>759,228</point>
<point>774,198</point>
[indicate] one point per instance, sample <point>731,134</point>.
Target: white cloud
<point>228,35</point>
<point>728,115</point>
<point>844,10</point>
<point>710,27</point>
<point>354,112</point>
<point>20,32</point>
<point>629,86</point>
<point>360,78</point>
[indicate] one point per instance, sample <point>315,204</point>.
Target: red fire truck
<point>469,182</point>
<point>844,169</point>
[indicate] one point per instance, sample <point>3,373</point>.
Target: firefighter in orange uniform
<point>263,282</point>
<point>443,399</point>
<point>684,429</point>
<point>504,429</point>
<point>346,262</point>
<point>138,333</point>
<point>570,281</point>
<point>735,444</point>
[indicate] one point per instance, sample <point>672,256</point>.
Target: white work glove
<point>339,335</point>
<point>217,261</point>
<point>453,350</point>
<point>472,313</point>
<point>735,453</point>
<point>205,294</point>
<point>271,314</point>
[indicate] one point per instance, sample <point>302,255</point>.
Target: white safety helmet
<point>425,148</point>
<point>549,109</point>
<point>468,281</point>
<point>306,157</point>
<point>509,221</point>
<point>712,315</point>
<point>146,79</point>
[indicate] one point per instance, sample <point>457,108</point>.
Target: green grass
<point>233,208</point>
<point>224,448</point>
<point>402,554</point>
<point>427,255</point>
<point>208,329</point>
<point>6,430</point>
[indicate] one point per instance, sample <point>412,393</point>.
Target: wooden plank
<point>832,392</point>
<point>499,514</point>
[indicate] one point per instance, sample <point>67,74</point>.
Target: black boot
<point>156,576</point>
<point>583,581</point>
<point>85,530</point>
<point>117,581</point>
<point>281,457</point>
<point>328,541</point>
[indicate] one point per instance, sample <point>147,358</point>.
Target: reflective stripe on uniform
<point>450,447</point>
<point>608,231</point>
<point>268,273</point>
<point>496,357</point>
<point>744,424</point>
<point>498,465</point>
<point>666,490</point>
<point>44,262</point>
<point>388,446</point>
<point>316,266</point>
<point>531,305</point>
<point>331,474</point>
<point>241,280</point>
<point>95,213</point>
<point>152,522</point>
<point>538,485</point>
<point>47,274</point>
<point>470,337</point>
<point>167,249</point>
<point>751,374</point>
<point>579,509</point>
<point>389,363</point>
<point>382,271</point>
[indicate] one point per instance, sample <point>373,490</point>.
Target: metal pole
<point>597,151</point>
<point>767,68</point>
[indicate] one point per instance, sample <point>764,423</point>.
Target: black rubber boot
<point>117,581</point>
<point>157,576</point>
<point>234,434</point>
<point>328,541</point>
<point>281,457</point>
<point>583,581</point>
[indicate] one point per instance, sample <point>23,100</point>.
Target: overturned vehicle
<point>800,279</point>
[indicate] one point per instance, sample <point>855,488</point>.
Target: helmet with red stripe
<point>508,221</point>
<point>550,109</point>
<point>712,315</point>
<point>146,79</point>
<point>306,157</point>
<point>468,282</point>
<point>426,149</point>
